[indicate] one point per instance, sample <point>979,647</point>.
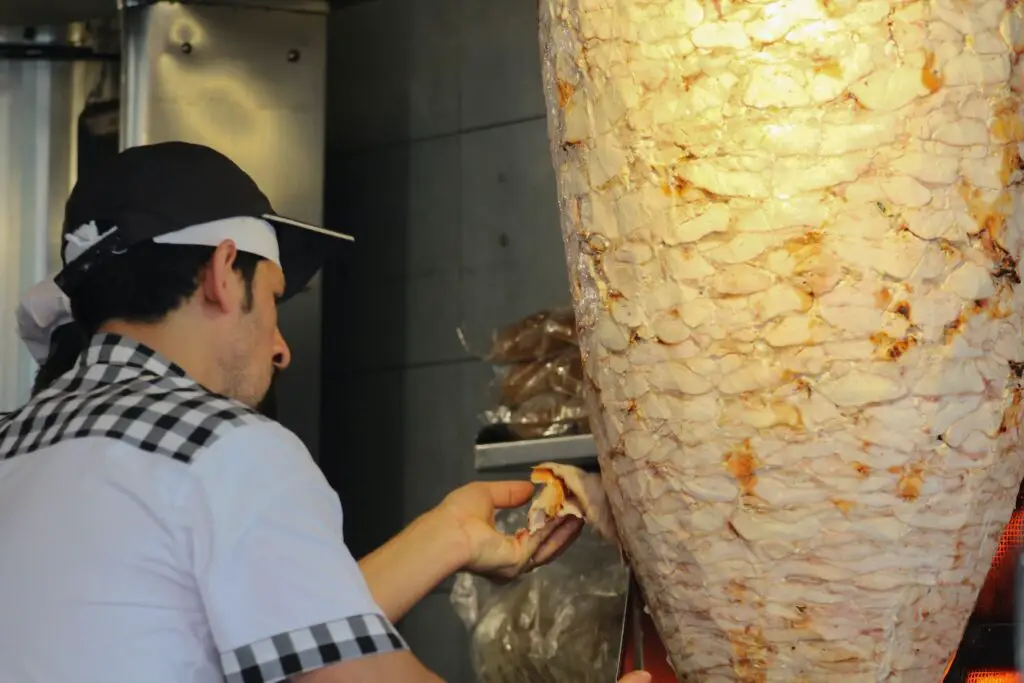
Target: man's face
<point>257,347</point>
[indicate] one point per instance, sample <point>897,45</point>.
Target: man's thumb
<point>636,677</point>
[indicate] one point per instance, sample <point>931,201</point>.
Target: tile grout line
<point>460,243</point>
<point>381,369</point>
<point>382,146</point>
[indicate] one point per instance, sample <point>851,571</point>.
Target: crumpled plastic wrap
<point>559,623</point>
<point>540,377</point>
<point>538,336</point>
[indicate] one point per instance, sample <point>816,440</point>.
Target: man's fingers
<point>560,538</point>
<point>520,548</point>
<point>509,494</point>
<point>526,545</point>
<point>548,542</point>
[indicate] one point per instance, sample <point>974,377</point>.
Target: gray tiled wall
<point>438,163</point>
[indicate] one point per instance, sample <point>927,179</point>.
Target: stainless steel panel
<point>37,115</point>
<point>522,455</point>
<point>250,83</point>
<point>55,12</point>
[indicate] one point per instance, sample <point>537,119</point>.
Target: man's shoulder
<point>166,415</point>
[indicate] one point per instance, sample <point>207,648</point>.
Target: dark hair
<point>142,286</point>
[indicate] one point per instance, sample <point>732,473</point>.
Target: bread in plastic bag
<point>535,337</point>
<point>543,416</point>
<point>560,374</point>
<point>540,378</point>
<point>561,622</point>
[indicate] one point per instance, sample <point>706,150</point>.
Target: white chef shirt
<point>154,532</point>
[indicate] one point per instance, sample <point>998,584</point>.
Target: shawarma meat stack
<point>793,230</point>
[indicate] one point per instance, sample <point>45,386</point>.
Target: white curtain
<point>36,147</point>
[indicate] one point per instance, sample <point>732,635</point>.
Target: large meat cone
<point>793,231</point>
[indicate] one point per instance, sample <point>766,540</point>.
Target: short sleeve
<point>283,594</point>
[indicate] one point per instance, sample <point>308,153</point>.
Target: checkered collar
<point>121,352</point>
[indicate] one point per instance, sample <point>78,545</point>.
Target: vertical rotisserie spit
<point>793,230</point>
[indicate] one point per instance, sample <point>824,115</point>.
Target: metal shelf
<point>576,450</point>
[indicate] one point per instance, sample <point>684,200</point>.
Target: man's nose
<point>282,354</point>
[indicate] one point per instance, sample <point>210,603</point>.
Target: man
<point>154,527</point>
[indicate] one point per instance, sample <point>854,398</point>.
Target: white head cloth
<point>45,307</point>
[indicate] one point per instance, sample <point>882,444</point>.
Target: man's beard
<point>245,387</point>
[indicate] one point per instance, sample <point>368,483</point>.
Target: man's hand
<point>489,552</point>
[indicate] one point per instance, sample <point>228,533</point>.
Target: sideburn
<point>248,303</point>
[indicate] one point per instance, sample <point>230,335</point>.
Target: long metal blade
<point>626,623</point>
<point>638,626</point>
<point>631,640</point>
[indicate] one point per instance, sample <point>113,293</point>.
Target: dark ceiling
<point>53,12</point>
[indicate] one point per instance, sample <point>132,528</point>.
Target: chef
<point>154,526</point>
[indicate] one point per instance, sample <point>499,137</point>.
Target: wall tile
<point>407,434</point>
<point>439,427</point>
<point>513,258</point>
<point>402,203</point>
<point>438,638</point>
<point>393,323</point>
<point>499,62</point>
<point>491,300</point>
<point>510,214</point>
<point>394,293</point>
<point>393,72</point>
<point>361,454</point>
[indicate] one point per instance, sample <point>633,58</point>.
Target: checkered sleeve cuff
<point>282,656</point>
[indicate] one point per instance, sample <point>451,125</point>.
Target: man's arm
<point>459,535</point>
<point>405,569</point>
<point>282,594</point>
<point>395,666</point>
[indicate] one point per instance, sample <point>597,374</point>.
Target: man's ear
<point>219,284</point>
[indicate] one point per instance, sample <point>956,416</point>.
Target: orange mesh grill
<point>1010,541</point>
<point>995,601</point>
<point>993,677</point>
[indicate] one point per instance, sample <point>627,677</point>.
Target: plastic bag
<point>561,622</point>
<point>562,374</point>
<point>540,377</point>
<point>542,416</point>
<point>536,337</point>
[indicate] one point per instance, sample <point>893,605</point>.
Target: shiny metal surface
<point>55,12</point>
<point>38,110</point>
<point>578,450</point>
<point>250,83</point>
